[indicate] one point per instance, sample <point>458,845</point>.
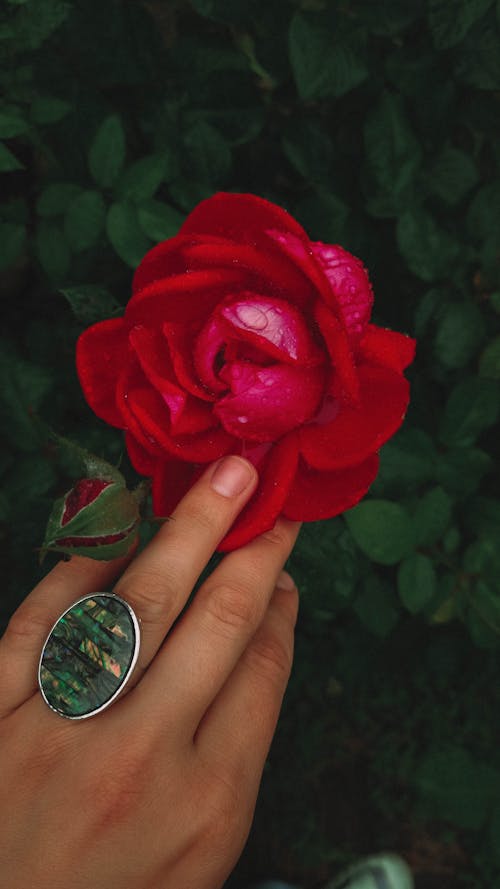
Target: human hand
<point>158,791</point>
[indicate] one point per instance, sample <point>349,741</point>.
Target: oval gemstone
<point>89,655</point>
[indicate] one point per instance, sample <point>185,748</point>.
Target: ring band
<point>89,655</point>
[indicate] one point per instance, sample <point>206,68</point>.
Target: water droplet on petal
<point>242,419</point>
<point>268,381</point>
<point>251,317</point>
<point>353,289</point>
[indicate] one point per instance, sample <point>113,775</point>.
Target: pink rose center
<point>259,356</point>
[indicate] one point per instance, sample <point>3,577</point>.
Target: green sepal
<point>102,553</point>
<point>113,510</point>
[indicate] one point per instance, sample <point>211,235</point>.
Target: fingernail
<point>231,476</point>
<point>285,581</point>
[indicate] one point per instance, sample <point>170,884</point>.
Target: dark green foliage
<point>377,124</point>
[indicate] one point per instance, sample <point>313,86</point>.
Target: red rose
<point>243,336</point>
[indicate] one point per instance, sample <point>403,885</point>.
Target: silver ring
<point>89,655</point>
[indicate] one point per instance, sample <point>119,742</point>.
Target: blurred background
<point>376,124</point>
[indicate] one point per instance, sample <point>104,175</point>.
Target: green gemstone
<point>89,655</point>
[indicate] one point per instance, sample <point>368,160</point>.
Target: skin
<point>158,791</point>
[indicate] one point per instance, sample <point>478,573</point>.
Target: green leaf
<point>429,251</point>
<point>91,303</point>
<point>406,462</point>
<point>225,11</point>
<point>489,362</point>
<point>322,66</point>
<point>460,332</point>
<point>472,407</point>
<point>49,109</point>
<point>54,199</point>
<point>483,557</point>
<point>32,30</point>
<point>432,516</point>
<point>107,152</point>
<point>208,154</point>
<point>452,175</point>
<point>427,308</point>
<point>310,150</point>
<point>483,615</point>
<point>52,250</point>
<point>376,607</point>
<point>478,59</point>
<point>484,211</point>
<point>125,233</point>
<point>159,221</point>
<point>12,239</point>
<point>324,215</point>
<point>393,155</point>
<point>142,179</point>
<point>461,470</point>
<point>25,386</point>
<point>187,193</point>
<point>416,582</point>
<point>31,477</point>
<point>383,530</point>
<point>8,161</point>
<point>483,516</point>
<point>84,220</point>
<point>12,123</point>
<point>449,20</point>
<point>456,787</point>
<point>388,18</point>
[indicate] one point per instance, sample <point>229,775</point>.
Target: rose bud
<point>98,518</point>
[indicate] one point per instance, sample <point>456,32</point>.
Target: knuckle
<point>149,593</point>
<point>114,791</point>
<point>231,609</point>
<point>271,657</point>
<point>279,537</point>
<point>223,813</point>
<point>28,623</point>
<point>201,518</point>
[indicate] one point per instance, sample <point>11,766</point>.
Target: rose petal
<point>345,379</point>
<point>152,416</point>
<point>162,261</point>
<point>318,495</point>
<point>387,347</point>
<point>262,268</point>
<point>131,377</point>
<point>269,401</point>
<point>300,250</point>
<point>101,351</point>
<point>248,219</point>
<point>276,474</point>
<point>350,286</point>
<point>356,432</point>
<point>272,325</point>
<point>142,461</point>
<point>183,298</point>
<point>171,481</point>
<point>153,354</point>
<point>209,344</point>
<point>239,217</point>
<point>180,340</point>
